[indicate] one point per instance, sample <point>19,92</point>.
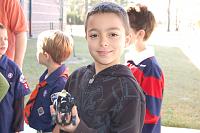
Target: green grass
<point>181,104</point>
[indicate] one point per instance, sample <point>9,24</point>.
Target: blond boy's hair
<point>57,44</point>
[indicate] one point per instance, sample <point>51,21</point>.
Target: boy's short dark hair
<point>140,18</point>
<point>109,7</point>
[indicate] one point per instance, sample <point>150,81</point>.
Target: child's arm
<point>128,115</point>
<point>153,87</point>
<point>18,119</point>
<point>21,89</point>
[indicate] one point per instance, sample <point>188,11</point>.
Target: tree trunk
<point>168,11</point>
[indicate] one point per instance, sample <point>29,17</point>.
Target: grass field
<point>181,104</point>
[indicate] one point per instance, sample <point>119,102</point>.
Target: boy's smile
<point>103,52</point>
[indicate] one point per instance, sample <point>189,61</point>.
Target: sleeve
<point>128,114</point>
<point>18,124</point>
<point>16,17</point>
<point>153,86</point>
<point>82,127</point>
<point>21,89</point>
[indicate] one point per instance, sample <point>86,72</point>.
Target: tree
<point>168,11</point>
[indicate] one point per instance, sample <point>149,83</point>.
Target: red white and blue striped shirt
<point>149,75</point>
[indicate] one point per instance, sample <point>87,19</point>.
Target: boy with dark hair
<point>144,66</point>
<point>108,98</point>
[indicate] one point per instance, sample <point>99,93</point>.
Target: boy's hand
<point>71,127</point>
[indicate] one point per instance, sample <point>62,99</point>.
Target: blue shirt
<point>12,105</point>
<point>40,117</point>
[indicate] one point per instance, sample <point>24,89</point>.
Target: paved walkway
<point>178,130</point>
<point>164,130</point>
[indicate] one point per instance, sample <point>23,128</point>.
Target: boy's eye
<point>113,35</point>
<point>93,35</point>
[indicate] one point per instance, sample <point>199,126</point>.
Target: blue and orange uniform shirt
<point>12,105</point>
<point>40,116</point>
<point>149,75</point>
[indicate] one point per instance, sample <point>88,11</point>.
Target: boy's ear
<point>128,40</point>
<point>46,54</point>
<point>141,34</point>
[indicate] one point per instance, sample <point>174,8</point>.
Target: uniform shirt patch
<point>23,81</point>
<point>10,75</point>
<point>40,111</point>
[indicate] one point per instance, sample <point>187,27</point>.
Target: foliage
<point>77,9</point>
<point>74,19</point>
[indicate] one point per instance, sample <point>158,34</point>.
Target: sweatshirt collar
<point>117,70</point>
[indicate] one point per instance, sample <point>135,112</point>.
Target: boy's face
<point>3,41</point>
<point>106,38</point>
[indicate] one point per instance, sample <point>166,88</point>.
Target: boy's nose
<point>103,41</point>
